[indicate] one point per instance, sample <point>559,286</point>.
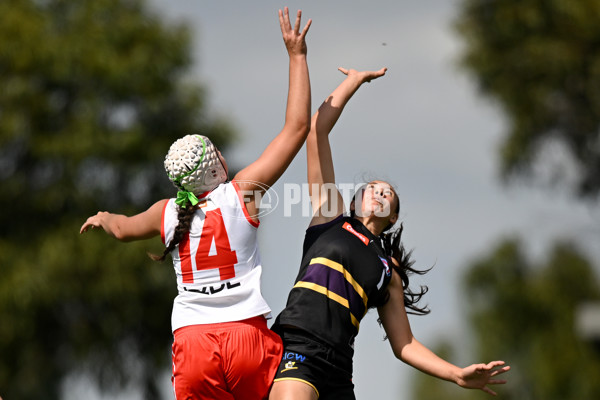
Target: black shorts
<point>307,360</point>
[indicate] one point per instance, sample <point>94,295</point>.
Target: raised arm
<point>411,351</point>
<point>283,148</point>
<point>140,226</point>
<point>326,201</point>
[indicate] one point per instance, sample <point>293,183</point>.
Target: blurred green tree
<point>525,313</point>
<point>93,93</point>
<point>540,60</point>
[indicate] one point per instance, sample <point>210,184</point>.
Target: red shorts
<point>230,360</point>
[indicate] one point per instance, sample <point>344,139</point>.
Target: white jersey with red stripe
<point>217,263</point>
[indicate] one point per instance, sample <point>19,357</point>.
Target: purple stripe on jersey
<point>335,282</point>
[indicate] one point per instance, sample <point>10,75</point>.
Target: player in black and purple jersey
<point>350,264</point>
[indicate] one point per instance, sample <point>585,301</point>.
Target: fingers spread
<point>500,371</point>
<point>281,21</point>
<point>305,30</point>
<point>297,23</point>
<point>284,20</point>
<point>495,364</point>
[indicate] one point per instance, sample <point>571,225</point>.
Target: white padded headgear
<point>193,164</point>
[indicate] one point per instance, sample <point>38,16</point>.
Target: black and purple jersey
<point>344,272</point>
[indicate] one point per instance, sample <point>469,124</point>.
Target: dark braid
<point>184,216</point>
<point>394,248</point>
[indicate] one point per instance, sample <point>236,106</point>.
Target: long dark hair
<point>184,216</point>
<point>395,248</point>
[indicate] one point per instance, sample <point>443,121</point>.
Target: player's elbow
<point>397,353</point>
<point>299,126</point>
<point>301,129</point>
<point>401,349</point>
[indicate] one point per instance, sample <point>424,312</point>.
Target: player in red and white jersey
<point>222,347</point>
<point>217,263</point>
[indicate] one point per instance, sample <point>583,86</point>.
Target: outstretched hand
<point>292,37</point>
<point>478,376</point>
<point>363,76</point>
<point>95,221</point>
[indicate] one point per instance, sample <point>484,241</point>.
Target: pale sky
<point>423,127</point>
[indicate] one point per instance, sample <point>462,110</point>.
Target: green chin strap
<point>184,196</point>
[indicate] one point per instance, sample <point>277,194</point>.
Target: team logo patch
<point>353,231</point>
<point>292,358</point>
<point>289,366</point>
<point>386,265</point>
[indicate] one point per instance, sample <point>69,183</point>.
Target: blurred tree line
<point>539,60</point>
<point>92,95</point>
<point>524,312</point>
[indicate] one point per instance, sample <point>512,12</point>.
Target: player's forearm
<point>330,110</point>
<point>345,90</point>
<point>297,116</point>
<point>420,357</point>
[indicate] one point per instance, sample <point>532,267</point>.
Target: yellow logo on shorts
<point>288,366</point>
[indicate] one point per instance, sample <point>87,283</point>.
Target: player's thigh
<point>253,354</point>
<point>197,366</point>
<point>292,390</point>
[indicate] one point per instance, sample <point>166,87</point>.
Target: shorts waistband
<point>259,322</point>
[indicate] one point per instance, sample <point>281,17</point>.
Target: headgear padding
<point>193,164</point>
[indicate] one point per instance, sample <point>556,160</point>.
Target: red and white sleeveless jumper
<point>217,264</point>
